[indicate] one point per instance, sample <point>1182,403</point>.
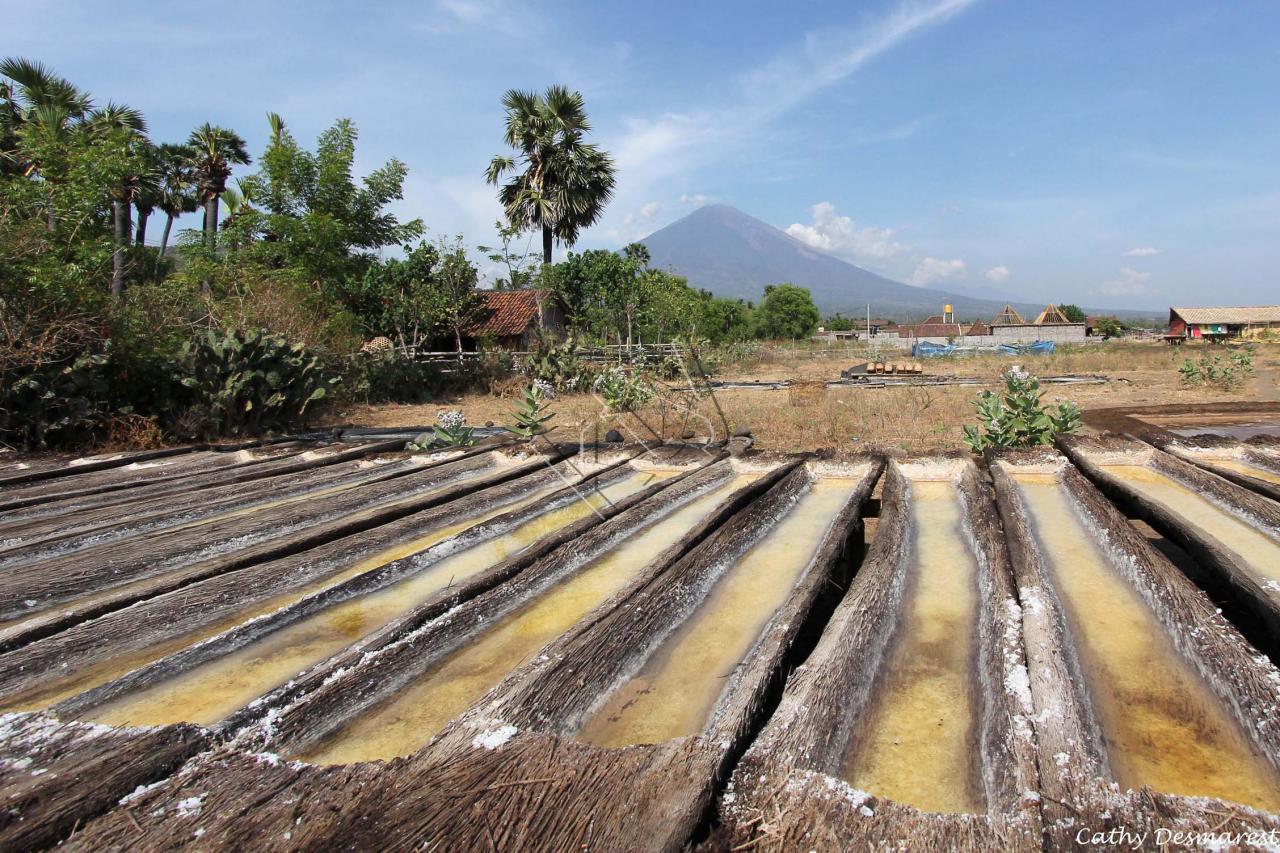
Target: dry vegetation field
<point>910,418</point>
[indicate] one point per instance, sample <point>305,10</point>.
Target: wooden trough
<point>1253,463</point>
<point>1233,533</point>
<point>102,649</point>
<point>1153,716</point>
<point>40,594</point>
<point>914,694</point>
<point>510,770</point>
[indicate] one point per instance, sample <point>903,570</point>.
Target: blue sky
<point>1110,154</point>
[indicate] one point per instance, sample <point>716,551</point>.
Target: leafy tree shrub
<point>1016,418</point>
<point>1226,373</point>
<point>558,365</point>
<point>1072,312</point>
<point>247,382</point>
<point>43,405</point>
<point>451,430</point>
<point>391,377</point>
<point>533,413</point>
<point>623,391</point>
<point>787,311</point>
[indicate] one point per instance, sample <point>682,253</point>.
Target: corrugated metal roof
<point>1230,314</point>
<point>507,312</point>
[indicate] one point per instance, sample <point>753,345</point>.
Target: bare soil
<point>910,418</point>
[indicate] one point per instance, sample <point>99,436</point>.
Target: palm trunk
<point>121,220</point>
<point>141,237</point>
<point>164,242</point>
<point>546,244</point>
<point>210,234</point>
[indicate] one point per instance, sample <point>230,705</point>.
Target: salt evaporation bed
<point>113,668</point>
<point>1162,726</point>
<point>1260,551</point>
<point>212,691</point>
<point>1239,466</point>
<point>917,744</point>
<point>413,716</point>
<point>677,687</point>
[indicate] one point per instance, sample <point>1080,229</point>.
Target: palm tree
<point>216,151</point>
<point>561,183</point>
<point>36,99</point>
<point>176,178</point>
<point>132,126</point>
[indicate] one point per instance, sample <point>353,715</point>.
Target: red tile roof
<point>507,313</point>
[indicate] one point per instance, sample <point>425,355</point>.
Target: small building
<point>936,326</point>
<point>1220,322</point>
<point>514,319</point>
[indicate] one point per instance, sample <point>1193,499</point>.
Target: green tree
<point>559,184</point>
<point>314,217</point>
<point>176,183</point>
<point>454,289</point>
<point>216,150</point>
<point>787,311</point>
<point>1072,313</point>
<point>1109,327</point>
<point>519,274</point>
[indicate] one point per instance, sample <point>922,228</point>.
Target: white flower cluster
<point>451,419</point>
<point>1016,372</point>
<point>545,388</point>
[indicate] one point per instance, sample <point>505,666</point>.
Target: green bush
<point>1227,373</point>
<point>390,377</point>
<point>558,365</point>
<point>623,391</point>
<point>246,382</point>
<point>44,405</point>
<point>1017,419</point>
<point>532,413</point>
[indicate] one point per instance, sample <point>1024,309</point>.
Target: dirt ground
<point>911,418</point>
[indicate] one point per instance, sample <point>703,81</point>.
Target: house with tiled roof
<point>1223,321</point>
<point>514,319</point>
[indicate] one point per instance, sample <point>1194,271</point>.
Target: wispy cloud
<point>999,274</point>
<point>933,270</point>
<point>1130,282</point>
<point>1142,252</point>
<point>830,232</point>
<point>651,149</point>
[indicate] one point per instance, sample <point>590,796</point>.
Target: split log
<point>611,468</point>
<point>1078,789</point>
<point>787,793</point>
<point>1249,593</point>
<point>1216,453</point>
<point>145,630</point>
<point>86,587</point>
<point>56,777</point>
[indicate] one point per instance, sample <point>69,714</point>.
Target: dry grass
<point>909,418</point>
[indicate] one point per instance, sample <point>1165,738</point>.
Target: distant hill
<point>732,254</point>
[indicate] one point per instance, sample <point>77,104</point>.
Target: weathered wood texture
<point>55,777</point>
<point>411,646</point>
<point>208,607</point>
<point>378,578</point>
<point>277,460</point>
<point>534,791</point>
<point>1224,574</point>
<point>1207,451</point>
<point>1077,790</point>
<point>786,794</point>
<point>89,583</point>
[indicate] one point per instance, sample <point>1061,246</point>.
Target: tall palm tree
<point>216,151</point>
<point>36,96</point>
<point>560,184</point>
<point>176,177</point>
<point>132,127</point>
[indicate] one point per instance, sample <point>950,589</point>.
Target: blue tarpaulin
<point>924,349</point>
<point>1037,348</point>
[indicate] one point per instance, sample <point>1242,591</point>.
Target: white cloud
<point>1130,283</point>
<point>652,150</point>
<point>840,235</point>
<point>999,274</point>
<point>696,199</point>
<point>1142,252</point>
<point>932,270</point>
<point>645,213</point>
